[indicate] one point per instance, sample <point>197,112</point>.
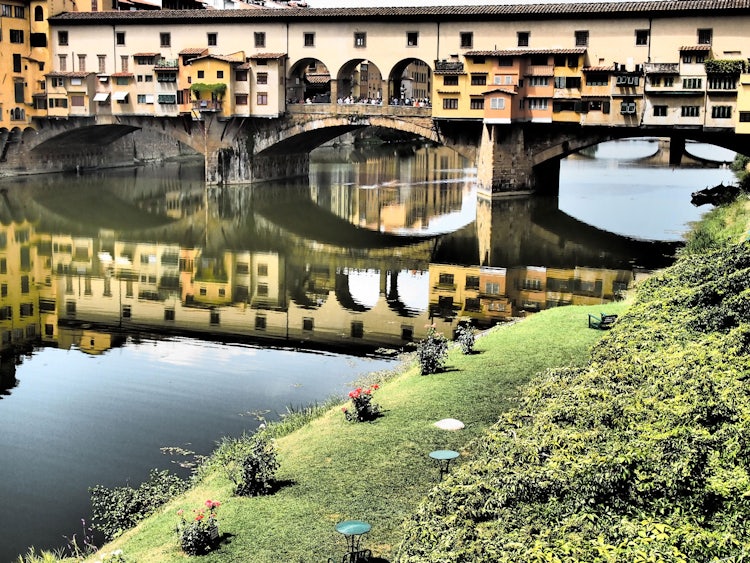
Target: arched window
<point>38,14</point>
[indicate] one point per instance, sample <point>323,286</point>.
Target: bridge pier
<point>676,150</point>
<point>505,164</point>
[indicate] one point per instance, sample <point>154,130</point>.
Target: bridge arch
<point>409,79</point>
<point>309,78</point>
<point>359,79</point>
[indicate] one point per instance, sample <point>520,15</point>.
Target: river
<point>141,311</point>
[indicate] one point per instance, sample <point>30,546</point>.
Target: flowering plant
<point>364,409</point>
<point>197,536</point>
<point>432,351</point>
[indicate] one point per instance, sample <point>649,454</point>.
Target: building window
<point>597,79</point>
<point>687,58</point>
<point>722,82</point>
<point>240,99</point>
<point>668,81</point>
<point>745,117</point>
<point>102,63</point>
<point>538,103</point>
<point>412,38</point>
<point>690,111</point>
<point>538,80</point>
<point>641,36</point>
<point>240,76</point>
<point>201,74</point>
<point>16,36</point>
<point>82,63</point>
<point>497,103</point>
<point>467,39</point>
<point>120,38</point>
<point>705,36</point>
<point>76,101</point>
<point>627,108</point>
<point>309,39</point>
<point>582,38</point>
<point>19,12</point>
<point>17,63</point>
<point>260,38</point>
<point>721,112</point>
<point>38,14</point>
<point>213,39</point>
<point>262,78</point>
<point>62,37</point>
<point>360,39</point>
<point>124,63</point>
<point>450,103</point>
<point>62,62</point>
<point>660,111</point>
<point>165,40</point>
<point>262,99</point>
<point>476,103</point>
<point>450,80</point>
<point>692,83</point>
<point>523,38</point>
<point>478,79</point>
<point>219,74</point>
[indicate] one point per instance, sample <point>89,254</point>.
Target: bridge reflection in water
<point>358,257</point>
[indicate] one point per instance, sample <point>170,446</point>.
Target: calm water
<point>146,312</point>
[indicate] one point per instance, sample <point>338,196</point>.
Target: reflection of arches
<point>359,79</point>
<point>309,79</point>
<point>410,79</point>
<point>408,296</point>
<point>38,14</point>
<point>344,296</point>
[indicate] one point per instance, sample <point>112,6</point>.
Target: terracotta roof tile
<point>146,54</point>
<point>609,68</point>
<point>522,52</point>
<point>122,75</point>
<point>494,12</point>
<point>268,56</point>
<point>193,51</point>
<point>77,74</point>
<point>700,48</point>
<point>501,91</point>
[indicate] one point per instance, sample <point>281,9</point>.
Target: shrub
<point>432,351</point>
<point>118,509</point>
<point>364,409</point>
<point>199,535</point>
<point>250,462</point>
<point>465,337</point>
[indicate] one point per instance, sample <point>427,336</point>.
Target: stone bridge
<point>517,158</point>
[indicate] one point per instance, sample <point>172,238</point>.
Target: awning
<point>119,96</point>
<point>101,96</point>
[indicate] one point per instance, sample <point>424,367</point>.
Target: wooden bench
<point>602,322</point>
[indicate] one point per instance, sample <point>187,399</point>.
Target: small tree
<point>432,351</point>
<point>250,462</point>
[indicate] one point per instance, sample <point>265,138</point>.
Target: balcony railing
<point>449,66</point>
<point>661,68</point>
<point>206,105</point>
<point>166,63</point>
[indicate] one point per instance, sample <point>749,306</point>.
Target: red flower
<point>376,386</point>
<point>199,517</point>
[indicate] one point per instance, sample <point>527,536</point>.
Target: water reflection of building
<point>489,295</point>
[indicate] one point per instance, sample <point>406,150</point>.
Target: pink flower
<point>179,512</point>
<point>344,409</point>
<point>209,503</point>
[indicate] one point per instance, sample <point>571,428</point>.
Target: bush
<point>465,337</point>
<point>119,509</point>
<point>250,462</point>
<point>432,352</point>
<point>199,535</point>
<point>364,409</point>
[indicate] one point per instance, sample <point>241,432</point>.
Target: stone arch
<point>360,79</point>
<point>409,79</point>
<point>309,78</point>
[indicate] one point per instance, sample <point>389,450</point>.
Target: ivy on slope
<point>642,455</point>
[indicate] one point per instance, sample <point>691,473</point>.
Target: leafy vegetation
<point>465,338</point>
<point>432,352</point>
<point>725,66</point>
<point>250,462</point>
<point>120,508</point>
<point>641,455</point>
<point>217,90</point>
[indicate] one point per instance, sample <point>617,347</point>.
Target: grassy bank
<point>332,470</point>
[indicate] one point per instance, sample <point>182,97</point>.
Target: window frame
<point>308,39</point>
<point>466,39</point>
<point>212,38</point>
<point>412,39</point>
<point>523,38</point>
<point>360,39</point>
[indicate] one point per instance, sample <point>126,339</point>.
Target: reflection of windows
<point>358,329</point>
<point>242,268</point>
<point>214,317</point>
<point>126,312</point>
<point>262,269</point>
<point>473,304</point>
<point>260,322</point>
<point>168,314</point>
<point>70,307</point>
<point>445,279</point>
<point>472,282</point>
<point>262,98</point>
<point>24,284</point>
<point>407,333</point>
<point>26,309</point>
<point>6,313</point>
<point>262,290</point>
<point>307,323</point>
<point>492,288</point>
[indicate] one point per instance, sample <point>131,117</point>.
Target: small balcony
<point>661,68</point>
<point>207,105</point>
<point>448,66</point>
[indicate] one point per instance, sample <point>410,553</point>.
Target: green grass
<point>332,470</point>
